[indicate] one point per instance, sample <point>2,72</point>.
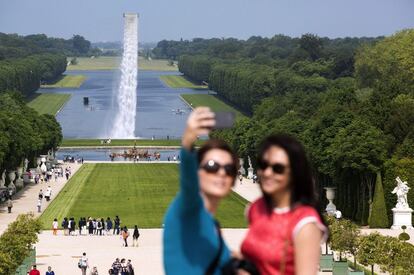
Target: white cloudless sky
<point>101,20</point>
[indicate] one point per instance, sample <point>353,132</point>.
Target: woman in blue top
<point>191,238</point>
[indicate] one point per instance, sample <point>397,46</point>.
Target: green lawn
<point>68,81</point>
<point>113,62</point>
<point>210,101</point>
<point>179,81</point>
<point>137,193</point>
<point>48,103</point>
<point>122,142</point>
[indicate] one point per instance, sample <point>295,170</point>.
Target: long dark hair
<point>302,184</point>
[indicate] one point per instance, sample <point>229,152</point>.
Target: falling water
<point>124,122</point>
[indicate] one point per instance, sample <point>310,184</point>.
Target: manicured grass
<point>210,101</point>
<point>113,62</point>
<point>137,193</point>
<point>48,103</point>
<point>68,81</point>
<point>122,142</point>
<point>179,81</point>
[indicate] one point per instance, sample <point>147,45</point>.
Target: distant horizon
<point>102,20</point>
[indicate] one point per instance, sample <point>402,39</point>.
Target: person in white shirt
<point>83,263</point>
<point>48,193</point>
<point>55,226</point>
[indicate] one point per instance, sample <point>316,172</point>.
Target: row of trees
<point>16,46</point>
<point>392,255</point>
<point>26,74</point>
<point>25,133</point>
<point>16,242</point>
<point>356,122</point>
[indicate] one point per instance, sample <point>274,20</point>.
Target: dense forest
<point>25,63</point>
<point>349,100</point>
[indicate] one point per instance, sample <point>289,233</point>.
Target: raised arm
<point>200,122</point>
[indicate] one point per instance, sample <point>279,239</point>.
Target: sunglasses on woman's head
<point>213,167</point>
<point>277,168</point>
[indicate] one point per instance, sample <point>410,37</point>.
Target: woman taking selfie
<point>192,242</point>
<point>285,227</point>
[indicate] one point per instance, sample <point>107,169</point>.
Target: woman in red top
<point>285,226</point>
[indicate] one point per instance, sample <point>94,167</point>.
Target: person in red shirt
<point>34,271</point>
<point>285,225</point>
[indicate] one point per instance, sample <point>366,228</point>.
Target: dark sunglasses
<point>213,167</point>
<point>277,168</point>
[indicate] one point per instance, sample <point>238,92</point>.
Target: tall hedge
<point>378,217</point>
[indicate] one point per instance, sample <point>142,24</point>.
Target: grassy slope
<point>211,101</point>
<point>121,142</point>
<point>139,194</point>
<point>113,62</point>
<point>49,103</point>
<point>178,81</point>
<point>68,81</point>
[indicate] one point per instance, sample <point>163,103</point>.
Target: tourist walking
<point>48,193</point>
<point>116,266</point>
<point>83,263</point>
<point>192,239</point>
<point>9,205</point>
<point>117,224</point>
<point>65,225</point>
<point>108,225</point>
<point>99,226</point>
<point>90,226</point>
<point>94,271</point>
<point>130,268</point>
<point>285,222</point>
<point>241,178</point>
<point>40,194</point>
<point>124,267</point>
<point>125,235</point>
<point>50,271</point>
<point>135,236</point>
<point>39,205</point>
<point>55,226</point>
<point>34,271</point>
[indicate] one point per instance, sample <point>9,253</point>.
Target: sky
<point>101,20</point>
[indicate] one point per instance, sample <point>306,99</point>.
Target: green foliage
<point>25,133</point>
<point>16,242</point>
<point>345,236</point>
<point>388,65</point>
<point>378,217</point>
<point>369,249</point>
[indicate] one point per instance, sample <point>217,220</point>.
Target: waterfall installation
<point>126,99</point>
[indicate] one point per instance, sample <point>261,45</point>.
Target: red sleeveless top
<point>269,241</point>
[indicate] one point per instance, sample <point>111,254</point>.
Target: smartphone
<point>224,120</point>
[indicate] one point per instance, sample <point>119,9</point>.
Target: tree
<point>369,250</point>
<point>17,241</point>
<point>360,148</point>
<point>80,44</point>
<point>378,216</point>
<point>345,237</point>
<point>312,44</point>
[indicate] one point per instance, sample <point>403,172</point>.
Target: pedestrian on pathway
<point>50,271</point>
<point>83,263</point>
<point>9,205</point>
<point>67,173</point>
<point>192,241</point>
<point>124,267</point>
<point>39,205</point>
<point>55,226</point>
<point>94,271</point>
<point>241,178</point>
<point>65,225</point>
<point>117,225</point>
<point>125,235</point>
<point>80,225</point>
<point>90,226</point>
<point>116,266</point>
<point>100,224</point>
<point>130,268</point>
<point>108,225</point>
<point>34,271</point>
<point>48,193</point>
<point>135,236</point>
<point>40,194</point>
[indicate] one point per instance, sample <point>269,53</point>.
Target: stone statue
<point>26,164</point>
<point>3,179</point>
<point>250,173</point>
<point>250,161</point>
<point>401,190</point>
